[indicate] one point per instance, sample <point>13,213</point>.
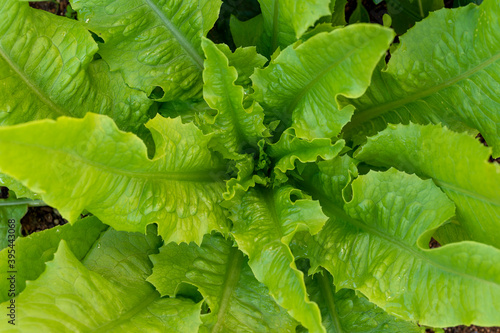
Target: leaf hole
<point>157,93</point>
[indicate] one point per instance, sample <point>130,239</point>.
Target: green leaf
<point>445,70</point>
<point>247,33</point>
<point>360,14</point>
<point>11,213</point>
<point>404,14</point>
<point>237,301</point>
<point>301,85</point>
<point>264,222</point>
<point>13,185</point>
<point>190,110</point>
<point>344,311</point>
<point>245,177</point>
<point>33,251</point>
<point>46,72</point>
<point>235,128</point>
<point>155,44</point>
<point>464,175</point>
<point>289,149</point>
<point>89,164</point>
<point>337,8</point>
<point>68,297</point>
<point>286,20</point>
<point>378,244</point>
<point>245,60</point>
<point>451,232</point>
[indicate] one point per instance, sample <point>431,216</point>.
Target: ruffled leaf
<point>289,149</point>
<point>46,72</point>
<point>237,301</point>
<point>235,128</point>
<point>446,70</point>
<point>89,164</point>
<point>155,44</point>
<point>464,174</point>
<point>377,243</point>
<point>301,85</point>
<point>110,295</point>
<point>264,222</point>
<point>245,60</point>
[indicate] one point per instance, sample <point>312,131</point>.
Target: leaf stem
<point>29,202</point>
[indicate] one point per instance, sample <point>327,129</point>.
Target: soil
<point>41,218</point>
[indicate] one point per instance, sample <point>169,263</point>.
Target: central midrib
<point>290,107</point>
<point>152,297</point>
<point>327,294</point>
<point>234,265</point>
<point>368,114</point>
<point>193,176</point>
<point>33,86</point>
<point>274,38</point>
<point>179,36</point>
<point>337,211</point>
<point>464,192</point>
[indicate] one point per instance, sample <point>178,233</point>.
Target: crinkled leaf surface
<point>344,311</point>
<point>74,297</point>
<point>447,68</point>
<point>245,60</point>
<point>245,177</point>
<point>235,128</point>
<point>10,210</point>
<point>378,244</point>
<point>264,222</point>
<point>237,301</point>
<point>464,174</point>
<point>46,71</point>
<point>153,43</point>
<point>286,20</point>
<point>33,251</point>
<point>89,164</point>
<point>301,85</point>
<point>289,149</point>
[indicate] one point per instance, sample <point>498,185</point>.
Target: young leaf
<point>446,69</point>
<point>235,128</point>
<point>286,20</point>
<point>344,311</point>
<point>247,33</point>
<point>36,249</point>
<point>155,44</point>
<point>431,151</point>
<point>46,72</point>
<point>237,301</point>
<point>290,149</point>
<point>378,244</point>
<point>69,297</point>
<point>264,222</point>
<point>245,60</point>
<point>301,85</point>
<point>89,164</point>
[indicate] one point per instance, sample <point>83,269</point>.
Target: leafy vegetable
<point>291,184</point>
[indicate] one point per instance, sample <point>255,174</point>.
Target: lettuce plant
<point>291,184</point>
